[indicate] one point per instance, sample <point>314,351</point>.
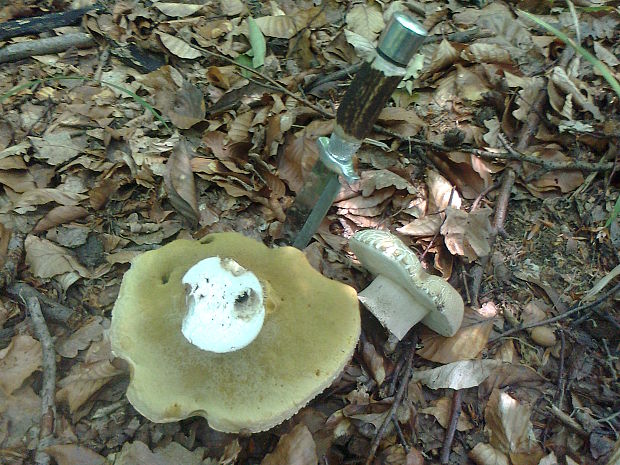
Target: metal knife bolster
<point>368,93</point>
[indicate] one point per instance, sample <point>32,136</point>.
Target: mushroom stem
<point>393,305</point>
<point>225,310</point>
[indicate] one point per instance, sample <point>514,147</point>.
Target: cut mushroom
<point>183,364</point>
<point>403,293</point>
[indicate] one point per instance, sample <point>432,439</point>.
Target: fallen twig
<point>48,388</point>
<point>455,413</point>
<point>52,310</point>
<point>13,258</point>
<point>36,24</point>
<point>397,401</point>
<point>14,52</point>
<point>557,318</point>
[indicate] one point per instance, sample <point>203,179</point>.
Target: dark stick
<point>557,318</point>
<point>48,406</point>
<point>455,413</point>
<point>397,401</point>
<point>36,24</point>
<point>51,309</point>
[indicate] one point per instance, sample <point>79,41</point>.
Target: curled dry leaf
<point>458,375</point>
<point>466,344</point>
<point>79,340</point>
<point>443,57</point>
<point>18,361</point>
<point>47,260</point>
<point>440,409</point>
<point>59,215</point>
<point>299,155</point>
<point>179,181</point>
<point>138,453</point>
<point>487,53</point>
<point>510,375</point>
<point>510,429</point>
<point>467,234</point>
<point>72,454</point>
<point>294,448</point>
<point>365,20</point>
<point>485,454</point>
<point>240,128</point>
<point>441,193</point>
<point>178,47</point>
<point>178,10</point>
<point>374,361</point>
<point>282,27</point>
<point>427,226</point>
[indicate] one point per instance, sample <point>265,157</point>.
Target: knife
<point>360,107</point>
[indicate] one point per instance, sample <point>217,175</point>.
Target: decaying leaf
<point>179,181</point>
<point>178,10</point>
<point>466,344</point>
<point>467,234</point>
<point>18,361</point>
<point>80,339</point>
<point>57,147</point>
<point>458,375</point>
<point>374,361</point>
<point>47,260</point>
<point>59,215</point>
<point>365,20</point>
<point>510,428</point>
<point>440,409</point>
<point>294,448</point>
<point>73,454</point>
<point>485,454</point>
<point>138,453</point>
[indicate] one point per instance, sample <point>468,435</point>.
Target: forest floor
<point>495,161</point>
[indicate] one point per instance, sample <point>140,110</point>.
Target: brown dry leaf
<point>294,448</point>
<point>79,340</point>
<point>19,181</point>
<point>232,7</point>
<point>441,193</point>
<point>138,453</point>
<point>282,27</point>
<point>485,454</point>
<point>427,226</point>
<point>18,361</point>
<point>19,413</point>
<point>380,179</point>
<point>178,47</point>
<point>73,454</point>
<point>57,148</point>
<point>179,181</point>
<point>470,85</point>
<point>562,81</point>
<point>46,259</point>
<point>374,361</point>
<point>28,200</point>
<point>175,453</point>
<point>298,157</point>
<point>565,181</point>
<point>487,53</point>
<point>59,215</point>
<point>510,375</point>
<point>240,127</point>
<point>510,429</point>
<point>440,409</point>
<point>365,20</point>
<point>467,234</point>
<point>458,375</point>
<point>443,57</point>
<point>466,344</point>
<point>84,380</point>
<point>178,10</point>
<point>175,97</point>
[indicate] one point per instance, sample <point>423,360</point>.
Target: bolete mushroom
<point>232,330</point>
<point>403,293</point>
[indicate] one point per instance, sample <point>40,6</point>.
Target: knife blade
<point>360,107</point>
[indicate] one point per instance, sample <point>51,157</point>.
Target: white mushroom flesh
<point>225,310</point>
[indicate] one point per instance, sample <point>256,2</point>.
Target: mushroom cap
<point>383,254</point>
<point>310,331</point>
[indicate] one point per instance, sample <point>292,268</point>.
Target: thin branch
<point>52,310</point>
<point>48,388</point>
<point>13,258</point>
<point>397,401</point>
<point>14,52</point>
<point>455,413</point>
<point>561,317</point>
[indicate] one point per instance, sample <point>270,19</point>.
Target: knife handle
<point>376,80</point>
